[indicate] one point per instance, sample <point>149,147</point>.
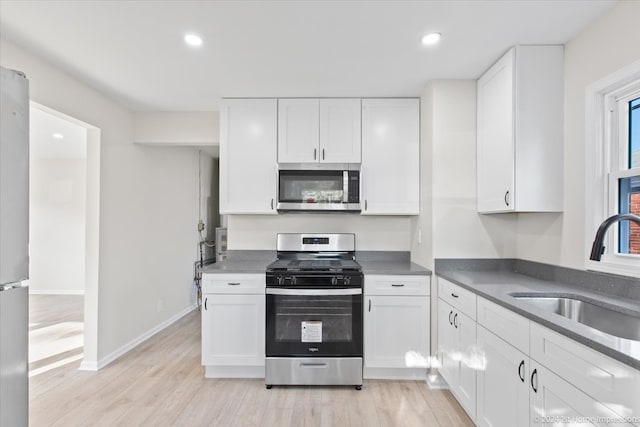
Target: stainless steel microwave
<point>319,187</point>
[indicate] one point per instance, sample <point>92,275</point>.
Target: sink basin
<point>602,318</point>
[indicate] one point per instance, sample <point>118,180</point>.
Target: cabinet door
<point>396,331</point>
<point>298,130</point>
<point>467,362</point>
<point>390,171</point>
<point>556,402</point>
<point>233,328</point>
<point>340,125</point>
<point>503,376</point>
<point>447,343</point>
<point>248,173</point>
<point>495,144</point>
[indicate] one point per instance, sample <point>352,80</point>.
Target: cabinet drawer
<point>396,285</point>
<point>233,283</point>
<point>506,324</point>
<point>597,375</point>
<point>460,298</point>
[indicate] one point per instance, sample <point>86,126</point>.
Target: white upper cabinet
<point>298,130</point>
<point>390,172</point>
<point>340,125</point>
<point>319,131</point>
<point>520,132</point>
<point>248,140</point>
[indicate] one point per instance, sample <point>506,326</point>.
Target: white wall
<point>57,199</point>
<point>449,168</point>
<point>57,204</point>
<point>176,127</point>
<point>148,209</point>
<point>372,233</point>
<point>602,48</point>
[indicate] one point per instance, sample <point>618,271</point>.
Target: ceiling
<point>133,50</point>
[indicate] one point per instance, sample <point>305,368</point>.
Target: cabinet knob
<point>450,321</point>
<point>534,374</point>
<point>455,318</point>
<point>205,304</point>
<point>506,198</point>
<point>271,204</point>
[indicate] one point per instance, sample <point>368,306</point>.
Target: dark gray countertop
<point>242,262</point>
<point>393,268</point>
<point>496,285</point>
<point>372,262</point>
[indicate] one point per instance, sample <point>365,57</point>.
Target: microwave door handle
<point>345,186</point>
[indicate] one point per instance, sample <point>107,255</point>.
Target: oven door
<point>314,322</point>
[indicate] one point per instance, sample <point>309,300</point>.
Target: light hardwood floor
<point>161,383</point>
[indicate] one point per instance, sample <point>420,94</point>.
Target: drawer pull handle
<point>315,150</point>
<point>454,295</point>
<point>313,365</point>
<point>397,285</point>
<point>521,371</point>
<point>506,198</point>
<point>205,303</point>
<point>534,374</point>
<point>450,321</point>
<point>369,305</point>
<point>233,283</point>
<point>454,321</point>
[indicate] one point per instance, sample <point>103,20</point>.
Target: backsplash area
<point>372,233</point>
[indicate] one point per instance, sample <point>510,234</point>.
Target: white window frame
<point>604,129</point>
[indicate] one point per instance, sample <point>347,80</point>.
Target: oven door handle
<point>314,292</point>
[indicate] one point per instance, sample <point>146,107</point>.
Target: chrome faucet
<point>598,247</point>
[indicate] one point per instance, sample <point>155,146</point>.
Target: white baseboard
<point>89,365</point>
<point>234,372</point>
<point>394,373</point>
<point>56,291</point>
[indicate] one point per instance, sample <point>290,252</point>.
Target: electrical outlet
<point>200,226</point>
<point>160,305</point>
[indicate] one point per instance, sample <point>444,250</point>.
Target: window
<point>629,188</point>
<point>613,168</point>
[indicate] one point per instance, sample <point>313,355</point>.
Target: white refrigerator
<point>14,248</point>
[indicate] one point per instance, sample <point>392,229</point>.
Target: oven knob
<point>280,280</point>
<point>347,280</point>
<point>334,280</point>
<point>293,280</point>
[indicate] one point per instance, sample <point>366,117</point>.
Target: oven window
<point>311,186</point>
<point>314,319</point>
<point>314,325</point>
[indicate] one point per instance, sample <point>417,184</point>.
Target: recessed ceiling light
<point>431,39</point>
<point>193,40</point>
<point>57,136</point>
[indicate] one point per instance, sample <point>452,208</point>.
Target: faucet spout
<point>597,249</point>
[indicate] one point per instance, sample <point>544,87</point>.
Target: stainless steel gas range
<point>314,312</point>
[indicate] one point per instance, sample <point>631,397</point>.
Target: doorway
<point>63,217</point>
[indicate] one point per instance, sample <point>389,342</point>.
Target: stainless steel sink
<point>599,317</point>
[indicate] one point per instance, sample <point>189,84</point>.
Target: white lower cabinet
<point>503,383</point>
<point>233,334</point>
<point>396,328</point>
<point>554,401</point>
<point>528,375</point>
<point>458,355</point>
